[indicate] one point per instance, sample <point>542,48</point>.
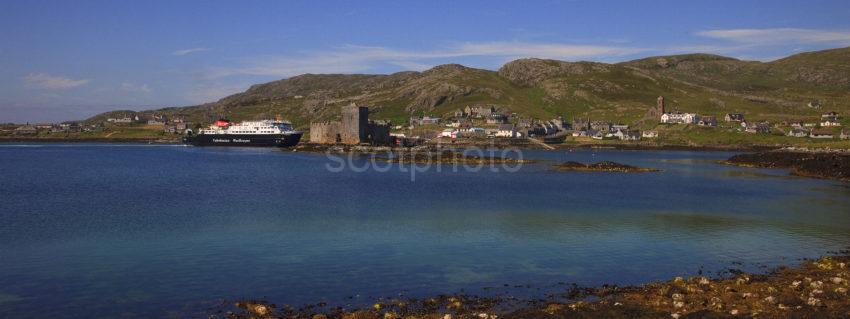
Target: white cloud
<point>47,81</point>
<point>189,51</point>
<point>778,36</point>
<point>132,87</point>
<point>352,58</point>
<point>412,66</point>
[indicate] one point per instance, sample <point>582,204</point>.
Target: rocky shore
<point>815,289</point>
<point>828,165</point>
<point>601,167</point>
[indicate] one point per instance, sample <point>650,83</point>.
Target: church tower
<point>659,106</point>
<point>657,111</point>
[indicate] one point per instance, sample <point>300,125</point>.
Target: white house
<point>821,134</point>
<point>679,118</point>
<point>626,135</point>
<point>830,122</point>
<point>795,132</point>
<point>449,133</point>
<point>649,134</point>
<point>506,130</point>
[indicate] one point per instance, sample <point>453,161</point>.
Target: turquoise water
<point>95,230</point>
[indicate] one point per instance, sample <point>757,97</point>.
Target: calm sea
<point>96,230</point>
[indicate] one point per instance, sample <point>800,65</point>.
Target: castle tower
<point>355,121</point>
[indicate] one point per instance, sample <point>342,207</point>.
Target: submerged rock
<point>605,166</point>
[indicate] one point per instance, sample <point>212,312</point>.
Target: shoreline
<point>816,288</point>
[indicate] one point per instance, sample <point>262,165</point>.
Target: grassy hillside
<point>701,83</point>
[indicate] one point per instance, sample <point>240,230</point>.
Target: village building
<point>821,133</point>
<point>796,132</point>
<point>619,127</point>
<point>120,120</point>
<point>626,135</point>
<point>450,133</point>
<point>649,134</point>
<point>425,120</point>
<point>472,131</point>
<point>506,130</point>
<point>844,135</point>
<point>830,123</point>
<point>26,130</point>
<point>93,128</point>
<point>679,118</point>
<point>581,125</point>
<point>601,126</point>
<point>74,127</point>
<point>796,123</point>
<point>177,128</point>
<point>597,135</point>
<point>760,127</point>
<point>455,124</point>
<point>477,111</point>
<point>733,117</point>
<point>830,116</point>
<point>560,124</point>
<point>496,118</point>
<point>709,121</point>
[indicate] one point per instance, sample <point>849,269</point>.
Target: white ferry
<point>254,133</point>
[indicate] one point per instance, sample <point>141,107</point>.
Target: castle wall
<point>355,128</point>
<point>379,133</point>
<point>324,132</point>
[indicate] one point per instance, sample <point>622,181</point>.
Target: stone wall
<point>379,133</point>
<point>325,132</point>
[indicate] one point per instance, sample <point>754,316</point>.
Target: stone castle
<point>355,128</point>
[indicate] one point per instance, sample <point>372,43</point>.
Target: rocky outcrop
<point>530,72</point>
<point>828,165</point>
<point>604,166</point>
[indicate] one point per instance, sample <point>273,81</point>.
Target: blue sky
<point>65,60</point>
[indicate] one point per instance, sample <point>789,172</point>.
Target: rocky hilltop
<point>701,83</point>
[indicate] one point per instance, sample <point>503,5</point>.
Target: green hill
<point>701,83</point>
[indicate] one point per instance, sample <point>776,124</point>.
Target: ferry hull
<point>264,140</point>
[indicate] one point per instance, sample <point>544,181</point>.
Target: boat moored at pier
<point>250,133</point>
